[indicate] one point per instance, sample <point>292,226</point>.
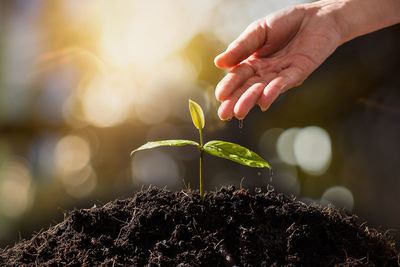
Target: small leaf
<point>150,145</point>
<point>235,153</point>
<point>197,114</point>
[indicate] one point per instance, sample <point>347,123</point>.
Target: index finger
<point>245,45</point>
<point>233,80</point>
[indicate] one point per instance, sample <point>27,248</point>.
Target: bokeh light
<point>72,153</point>
<point>84,83</point>
<point>339,196</point>
<point>79,12</point>
<point>126,41</point>
<point>285,144</point>
<point>16,189</point>
<point>154,106</point>
<point>108,99</point>
<point>312,150</point>
<point>176,71</point>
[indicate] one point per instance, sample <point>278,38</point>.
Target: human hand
<point>273,55</point>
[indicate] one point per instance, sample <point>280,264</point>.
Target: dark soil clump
<point>228,228</point>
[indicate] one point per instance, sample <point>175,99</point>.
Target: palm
<point>296,44</point>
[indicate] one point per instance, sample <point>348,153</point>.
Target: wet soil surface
<point>227,228</point>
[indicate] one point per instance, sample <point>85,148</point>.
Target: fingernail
<point>263,109</point>
<point>228,117</point>
<point>225,119</point>
<point>239,116</point>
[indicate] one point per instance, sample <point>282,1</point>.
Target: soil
<point>227,228</point>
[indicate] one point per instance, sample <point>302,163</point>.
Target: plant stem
<point>201,164</point>
<point>201,174</point>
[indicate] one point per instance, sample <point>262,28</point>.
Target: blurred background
<point>82,83</point>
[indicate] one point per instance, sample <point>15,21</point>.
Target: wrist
<point>331,13</point>
<point>358,17</point>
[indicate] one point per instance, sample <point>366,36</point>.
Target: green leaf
<point>150,145</point>
<point>197,114</point>
<point>235,153</point>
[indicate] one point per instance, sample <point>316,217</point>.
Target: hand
<point>273,55</point>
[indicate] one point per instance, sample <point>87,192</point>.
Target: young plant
<point>216,148</point>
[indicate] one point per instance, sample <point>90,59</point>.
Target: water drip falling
<point>240,124</point>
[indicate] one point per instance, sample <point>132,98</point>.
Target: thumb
<point>245,45</point>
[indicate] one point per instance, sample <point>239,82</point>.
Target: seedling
<point>216,148</point>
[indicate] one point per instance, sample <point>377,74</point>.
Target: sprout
<point>197,114</point>
<point>220,149</point>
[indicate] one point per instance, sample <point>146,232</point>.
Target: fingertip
<point>222,61</point>
<point>224,117</point>
<point>217,61</point>
<point>224,113</point>
<point>269,94</point>
<point>241,109</point>
<point>262,108</point>
<point>239,112</point>
<point>220,98</point>
<point>229,58</point>
<point>266,101</point>
<point>240,116</point>
<point>248,99</point>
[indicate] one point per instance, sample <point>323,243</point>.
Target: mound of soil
<point>226,228</point>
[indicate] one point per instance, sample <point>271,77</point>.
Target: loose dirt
<point>227,228</point>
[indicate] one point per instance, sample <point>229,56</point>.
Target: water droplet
<point>259,173</point>
<point>240,124</point>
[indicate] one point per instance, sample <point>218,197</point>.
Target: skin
<point>278,52</point>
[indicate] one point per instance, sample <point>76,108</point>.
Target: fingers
<point>261,91</point>
<point>248,99</point>
<point>271,92</point>
<point>225,111</point>
<point>286,79</point>
<point>242,100</point>
<point>233,80</point>
<point>252,95</point>
<point>244,46</point>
